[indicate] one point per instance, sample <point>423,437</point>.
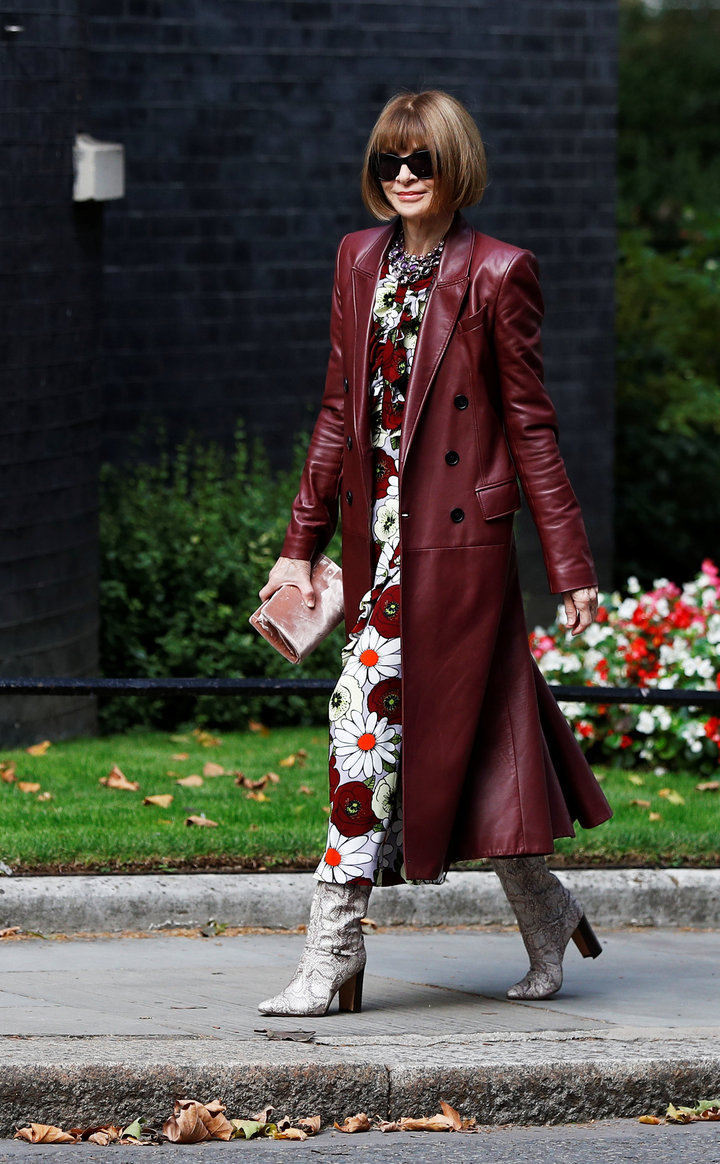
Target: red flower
<point>602,614</point>
<point>352,812</point>
<point>386,615</point>
<point>625,742</point>
<point>384,468</point>
<point>385,699</point>
<point>712,729</point>
<point>603,670</point>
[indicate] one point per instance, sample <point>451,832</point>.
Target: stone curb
<point>624,897</point>
<point>561,1078</point>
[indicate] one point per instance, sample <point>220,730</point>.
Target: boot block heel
<point>585,939</point>
<point>350,993</point>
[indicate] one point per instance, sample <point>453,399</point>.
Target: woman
<point>445,742</point>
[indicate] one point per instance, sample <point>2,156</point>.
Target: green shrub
<point>186,544</point>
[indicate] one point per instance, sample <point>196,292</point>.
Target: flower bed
<point>665,638</point>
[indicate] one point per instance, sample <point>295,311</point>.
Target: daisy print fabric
<point>364,842</point>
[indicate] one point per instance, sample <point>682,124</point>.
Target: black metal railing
<point>649,696</point>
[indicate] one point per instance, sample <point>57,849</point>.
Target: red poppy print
<point>386,615</point>
<point>386,700</point>
<point>352,812</point>
<point>384,468</point>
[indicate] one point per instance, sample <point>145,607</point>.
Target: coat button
<point>346,386</point>
<point>451,457</point>
<point>457,515</point>
<point>461,402</point>
<point>348,443</point>
<point>348,496</point>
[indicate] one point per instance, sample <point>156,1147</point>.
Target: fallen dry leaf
<point>451,1114</point>
<point>206,739</point>
<point>671,795</point>
<point>38,749</point>
<point>44,1134</point>
<point>356,1123</point>
<point>262,1117</point>
<point>254,725</point>
<point>7,772</point>
<point>637,780</point>
<point>288,762</point>
<point>9,931</point>
<point>201,822</point>
<point>45,796</point>
<point>102,1134</point>
<point>290,1134</point>
<point>191,781</point>
<point>192,1122</point>
<point>259,796</point>
<point>289,1036</point>
<point>436,1123</point>
<point>28,786</point>
<point>243,781</point>
<point>272,777</point>
<point>210,769</point>
<point>117,779</point>
<point>641,803</point>
<point>305,790</point>
<point>705,786</point>
<point>649,1119</point>
<point>180,756</point>
<point>163,800</point>
<point>310,1124</point>
<point>388,1126</point>
<point>654,817</point>
<point>302,754</point>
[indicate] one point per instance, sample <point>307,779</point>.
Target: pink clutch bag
<point>295,629</point>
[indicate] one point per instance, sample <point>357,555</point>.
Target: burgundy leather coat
<point>490,766</point>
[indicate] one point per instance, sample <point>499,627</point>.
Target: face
<point>410,197</point>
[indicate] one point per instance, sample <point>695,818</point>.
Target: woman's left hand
<point>580,608</point>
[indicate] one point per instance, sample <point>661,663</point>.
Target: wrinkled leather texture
<point>490,768</point>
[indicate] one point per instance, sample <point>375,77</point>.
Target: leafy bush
<point>186,544</point>
<point>666,638</point>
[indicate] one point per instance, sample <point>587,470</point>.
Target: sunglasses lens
<point>419,163</point>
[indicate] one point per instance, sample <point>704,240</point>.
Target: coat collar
<point>454,261</point>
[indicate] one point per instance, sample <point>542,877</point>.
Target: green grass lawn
<point>86,826</point>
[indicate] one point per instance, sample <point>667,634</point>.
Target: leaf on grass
<point>654,817</point>
<point>206,739</point>
<point>641,803</point>
<point>9,931</point>
<point>243,781</point>
<point>259,796</point>
<point>163,800</point>
<point>326,808</point>
<point>180,756</point>
<point>211,769</point>
<point>117,779</point>
<point>356,1123</point>
<point>202,822</point>
<point>254,725</point>
<point>671,796</point>
<point>192,1122</point>
<point>637,780</point>
<point>288,762</point>
<point>192,781</point>
<point>705,786</point>
<point>38,749</point>
<point>45,796</point>
<point>305,790</point>
<point>44,1134</point>
<point>649,1119</point>
<point>28,786</point>
<point>288,1036</point>
<point>272,777</point>
<point>7,772</point>
<point>302,754</point>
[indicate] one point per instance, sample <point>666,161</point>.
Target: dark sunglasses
<point>419,163</point>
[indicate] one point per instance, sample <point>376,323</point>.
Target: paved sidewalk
<point>93,1030</point>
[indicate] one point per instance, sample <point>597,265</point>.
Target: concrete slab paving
<point>92,1030</point>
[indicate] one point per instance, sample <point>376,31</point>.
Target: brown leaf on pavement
<point>44,1134</point>
<point>387,1126</point>
<point>310,1124</point>
<point>7,772</point>
<point>262,1117</point>
<point>102,1134</point>
<point>192,781</point>
<point>117,779</point>
<point>211,769</point>
<point>163,800</point>
<point>356,1123</point>
<point>290,1134</point>
<point>202,822</point>
<point>192,1122</point>
<point>28,786</point>
<point>436,1123</point>
<point>9,931</point>
<point>206,739</point>
<point>649,1119</point>
<point>452,1114</point>
<point>38,749</point>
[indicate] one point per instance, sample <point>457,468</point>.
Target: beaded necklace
<point>410,268</point>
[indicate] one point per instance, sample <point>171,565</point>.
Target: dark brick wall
<point>244,122</point>
<point>50,268</point>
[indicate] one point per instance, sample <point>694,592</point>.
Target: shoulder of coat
<point>494,255</point>
<point>356,245</point>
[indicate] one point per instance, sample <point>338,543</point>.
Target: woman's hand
<point>580,608</point>
<point>292,571</point>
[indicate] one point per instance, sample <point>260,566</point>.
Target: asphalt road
<point>607,1142</point>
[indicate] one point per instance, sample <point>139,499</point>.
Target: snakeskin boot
<point>333,958</point>
<point>548,916</point>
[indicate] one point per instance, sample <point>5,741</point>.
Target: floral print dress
<point>364,843</point>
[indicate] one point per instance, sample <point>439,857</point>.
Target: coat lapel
<point>438,321</point>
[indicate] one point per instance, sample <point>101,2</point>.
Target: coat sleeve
<point>315,508</point>
<point>532,430</point>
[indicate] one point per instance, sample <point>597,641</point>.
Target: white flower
<point>571,663</point>
<point>386,307</point>
<point>645,723</point>
<point>709,596</point>
<point>592,658</point>
<point>692,731</point>
<point>662,606</point>
<point>383,797</point>
<point>659,771</point>
<point>662,717</point>
<point>713,629</point>
<point>596,633</point>
<point>346,697</point>
<point>375,657</point>
<point>387,522</point>
<point>633,586</point>
<point>344,858</point>
<point>393,486</point>
<point>361,745</point>
<point>628,607</point>
<point>661,583</point>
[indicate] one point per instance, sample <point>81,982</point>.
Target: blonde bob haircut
<point>435,121</point>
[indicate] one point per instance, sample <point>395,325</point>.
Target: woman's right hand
<point>292,571</point>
